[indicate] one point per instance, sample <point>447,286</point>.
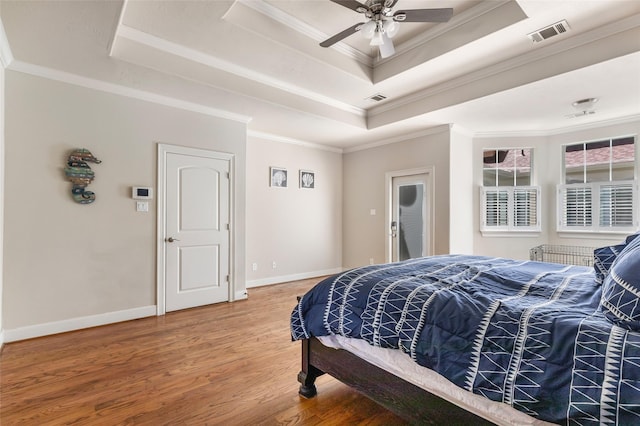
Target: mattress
<point>401,365</point>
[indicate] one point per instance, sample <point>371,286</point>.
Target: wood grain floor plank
<point>229,363</point>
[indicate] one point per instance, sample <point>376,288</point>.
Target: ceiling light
<point>380,33</point>
<point>377,39</point>
<point>390,27</point>
<point>368,29</point>
<point>386,48</point>
<point>585,104</point>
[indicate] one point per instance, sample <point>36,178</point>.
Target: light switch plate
<point>142,206</point>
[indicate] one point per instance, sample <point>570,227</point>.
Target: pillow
<point>620,301</point>
<point>604,257</point>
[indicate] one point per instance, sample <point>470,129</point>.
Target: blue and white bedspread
<point>529,334</point>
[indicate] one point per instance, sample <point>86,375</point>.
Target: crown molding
<point>560,130</point>
<point>119,24</point>
<point>626,24</point>
<point>400,138</point>
<point>6,57</point>
<point>202,58</point>
<point>117,89</point>
<point>457,128</point>
<point>291,141</point>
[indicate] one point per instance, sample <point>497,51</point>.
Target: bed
<point>472,339</point>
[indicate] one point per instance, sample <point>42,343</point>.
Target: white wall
<point>555,175</point>
<point>547,173</point>
<point>2,131</point>
<point>514,246</point>
<point>298,229</point>
<point>461,204</point>
<point>65,261</point>
<point>364,235</point>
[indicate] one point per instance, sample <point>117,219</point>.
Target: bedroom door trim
<point>430,191</point>
<point>161,211</point>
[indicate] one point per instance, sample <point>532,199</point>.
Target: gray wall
<point>298,229</point>
<point>364,235</point>
<point>64,260</point>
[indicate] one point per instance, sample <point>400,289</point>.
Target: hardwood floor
<point>230,363</point>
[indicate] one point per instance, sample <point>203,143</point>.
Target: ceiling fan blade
<point>423,15</point>
<point>388,4</point>
<point>343,34</point>
<point>353,5</point>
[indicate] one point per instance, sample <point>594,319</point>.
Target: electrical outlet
<point>273,265</point>
<point>371,261</point>
<point>254,267</point>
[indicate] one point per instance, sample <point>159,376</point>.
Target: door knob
<point>171,239</point>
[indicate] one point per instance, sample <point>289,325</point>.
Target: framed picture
<point>278,177</point>
<point>307,179</point>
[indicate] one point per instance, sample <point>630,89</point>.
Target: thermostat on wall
<point>142,193</point>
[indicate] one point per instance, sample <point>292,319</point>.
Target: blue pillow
<point>604,257</point>
<point>621,289</point>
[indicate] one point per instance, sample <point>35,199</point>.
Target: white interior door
<point>409,226</point>
<point>196,235</point>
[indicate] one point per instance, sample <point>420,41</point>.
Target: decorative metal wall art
<point>81,175</point>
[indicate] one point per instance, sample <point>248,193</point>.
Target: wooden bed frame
<point>403,398</point>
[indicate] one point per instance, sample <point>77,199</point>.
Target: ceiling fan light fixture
<point>383,23</point>
<point>386,48</point>
<point>377,39</point>
<point>368,29</point>
<point>391,28</point>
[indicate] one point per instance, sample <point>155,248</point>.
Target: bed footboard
<point>403,398</point>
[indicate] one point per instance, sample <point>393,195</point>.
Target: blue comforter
<point>528,334</point>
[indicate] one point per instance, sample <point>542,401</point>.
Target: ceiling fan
<point>383,22</point>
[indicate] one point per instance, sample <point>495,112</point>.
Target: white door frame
<point>163,150</point>
<point>388,214</point>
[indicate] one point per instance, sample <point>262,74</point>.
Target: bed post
<point>308,374</point>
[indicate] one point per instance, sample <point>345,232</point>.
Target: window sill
<point>516,234</point>
<point>601,235</point>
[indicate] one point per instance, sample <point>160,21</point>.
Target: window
<point>599,193</point>
<point>509,202</point>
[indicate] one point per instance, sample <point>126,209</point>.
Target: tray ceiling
<point>261,60</point>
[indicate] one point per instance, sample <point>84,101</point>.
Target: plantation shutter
<point>526,207</point>
<point>496,207</point>
<point>510,208</point>
<point>598,206</point>
<point>576,205</point>
<point>616,205</point>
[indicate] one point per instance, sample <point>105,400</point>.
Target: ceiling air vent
<point>377,97</point>
<point>550,31</point>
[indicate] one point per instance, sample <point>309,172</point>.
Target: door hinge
<point>228,278</point>
<point>228,227</point>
